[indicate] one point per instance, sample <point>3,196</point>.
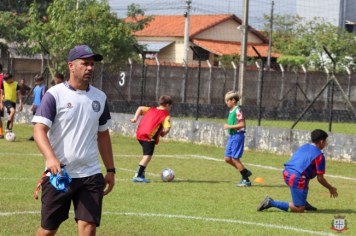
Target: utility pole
<point>186,32</point>
<point>76,29</point>
<point>270,38</point>
<point>243,51</point>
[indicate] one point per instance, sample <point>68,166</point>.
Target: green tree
<point>92,24</point>
<point>23,6</point>
<point>11,26</point>
<point>294,37</point>
<point>226,60</point>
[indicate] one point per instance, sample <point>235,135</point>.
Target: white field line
<point>197,157</point>
<point>19,154</point>
<point>148,173</point>
<point>194,218</point>
<point>220,160</point>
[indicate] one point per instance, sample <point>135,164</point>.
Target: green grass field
<point>202,200</point>
<point>342,128</point>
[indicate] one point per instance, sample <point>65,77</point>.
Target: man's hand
<point>333,192</point>
<point>226,126</point>
<point>133,120</point>
<point>109,180</point>
<point>54,166</point>
<point>20,107</point>
<point>31,109</point>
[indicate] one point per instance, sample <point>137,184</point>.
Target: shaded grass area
<point>206,189</point>
<point>342,128</point>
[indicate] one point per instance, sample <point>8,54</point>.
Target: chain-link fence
<point>285,95</point>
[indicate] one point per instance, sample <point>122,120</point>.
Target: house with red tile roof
<point>211,35</point>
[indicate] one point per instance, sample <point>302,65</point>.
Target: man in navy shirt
<point>306,163</point>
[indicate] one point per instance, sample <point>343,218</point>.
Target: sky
<point>257,8</point>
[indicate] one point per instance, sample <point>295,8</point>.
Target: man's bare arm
<point>40,135</point>
<point>105,150</point>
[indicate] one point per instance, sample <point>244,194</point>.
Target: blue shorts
<point>235,145</point>
<point>299,196</point>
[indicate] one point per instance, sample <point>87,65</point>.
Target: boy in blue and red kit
<point>154,123</point>
<point>38,93</point>
<point>306,163</point>
<point>235,146</point>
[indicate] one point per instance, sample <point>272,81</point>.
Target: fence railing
<point>284,97</point>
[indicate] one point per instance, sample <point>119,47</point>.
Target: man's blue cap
<point>83,51</point>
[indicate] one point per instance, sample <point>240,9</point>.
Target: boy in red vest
<point>154,123</point>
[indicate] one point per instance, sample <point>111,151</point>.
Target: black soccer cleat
<point>31,139</point>
<point>309,207</point>
<point>265,204</point>
<point>1,136</point>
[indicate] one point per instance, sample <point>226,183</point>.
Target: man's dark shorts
<point>1,113</point>
<point>9,105</point>
<point>148,147</point>
<point>86,194</point>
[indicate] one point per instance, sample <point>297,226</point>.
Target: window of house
<point>349,28</point>
<point>204,54</point>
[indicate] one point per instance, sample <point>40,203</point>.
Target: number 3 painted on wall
<point>122,79</point>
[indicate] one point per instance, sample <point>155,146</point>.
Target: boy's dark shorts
<point>86,194</point>
<point>9,105</point>
<point>148,147</point>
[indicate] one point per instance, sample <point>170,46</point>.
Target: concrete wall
<point>275,140</point>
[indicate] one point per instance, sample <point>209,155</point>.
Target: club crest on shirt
<point>69,105</point>
<point>96,106</point>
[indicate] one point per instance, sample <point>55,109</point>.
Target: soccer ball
<point>167,175</point>
<point>10,137</point>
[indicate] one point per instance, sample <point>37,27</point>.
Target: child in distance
<point>154,123</point>
<point>235,146</point>
<point>306,163</point>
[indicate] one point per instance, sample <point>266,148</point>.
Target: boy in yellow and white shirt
<point>9,89</point>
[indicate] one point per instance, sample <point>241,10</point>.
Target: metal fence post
<point>143,56</point>
<point>184,85</point>
<point>327,91</point>
<point>209,81</point>
<point>224,81</point>
<point>305,84</point>
<point>101,77</point>
<point>260,86</point>
<point>235,73</point>
<point>348,85</point>
<point>282,86</point>
<point>332,89</point>
<point>129,87</point>
<point>198,89</point>
<point>157,81</point>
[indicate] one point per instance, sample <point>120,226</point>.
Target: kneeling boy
<point>306,163</point>
<point>154,123</point>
